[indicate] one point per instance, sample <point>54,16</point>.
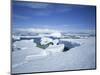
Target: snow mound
<point>55,48</point>
<point>45,40</point>
<point>23,44</point>
<point>55,42</point>
<point>42,54</point>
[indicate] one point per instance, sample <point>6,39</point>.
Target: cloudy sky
<point>62,17</point>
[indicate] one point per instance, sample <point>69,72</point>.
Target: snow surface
<point>24,44</point>
<point>55,48</point>
<point>39,60</point>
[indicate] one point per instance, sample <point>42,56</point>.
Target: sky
<point>61,17</point>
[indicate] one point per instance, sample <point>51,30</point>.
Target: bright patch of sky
<point>60,17</point>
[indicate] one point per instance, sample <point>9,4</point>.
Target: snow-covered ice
<point>55,48</point>
<point>38,60</point>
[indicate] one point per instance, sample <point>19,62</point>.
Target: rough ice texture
<point>80,57</point>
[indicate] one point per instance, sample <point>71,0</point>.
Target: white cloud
<point>20,16</point>
<point>38,30</point>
